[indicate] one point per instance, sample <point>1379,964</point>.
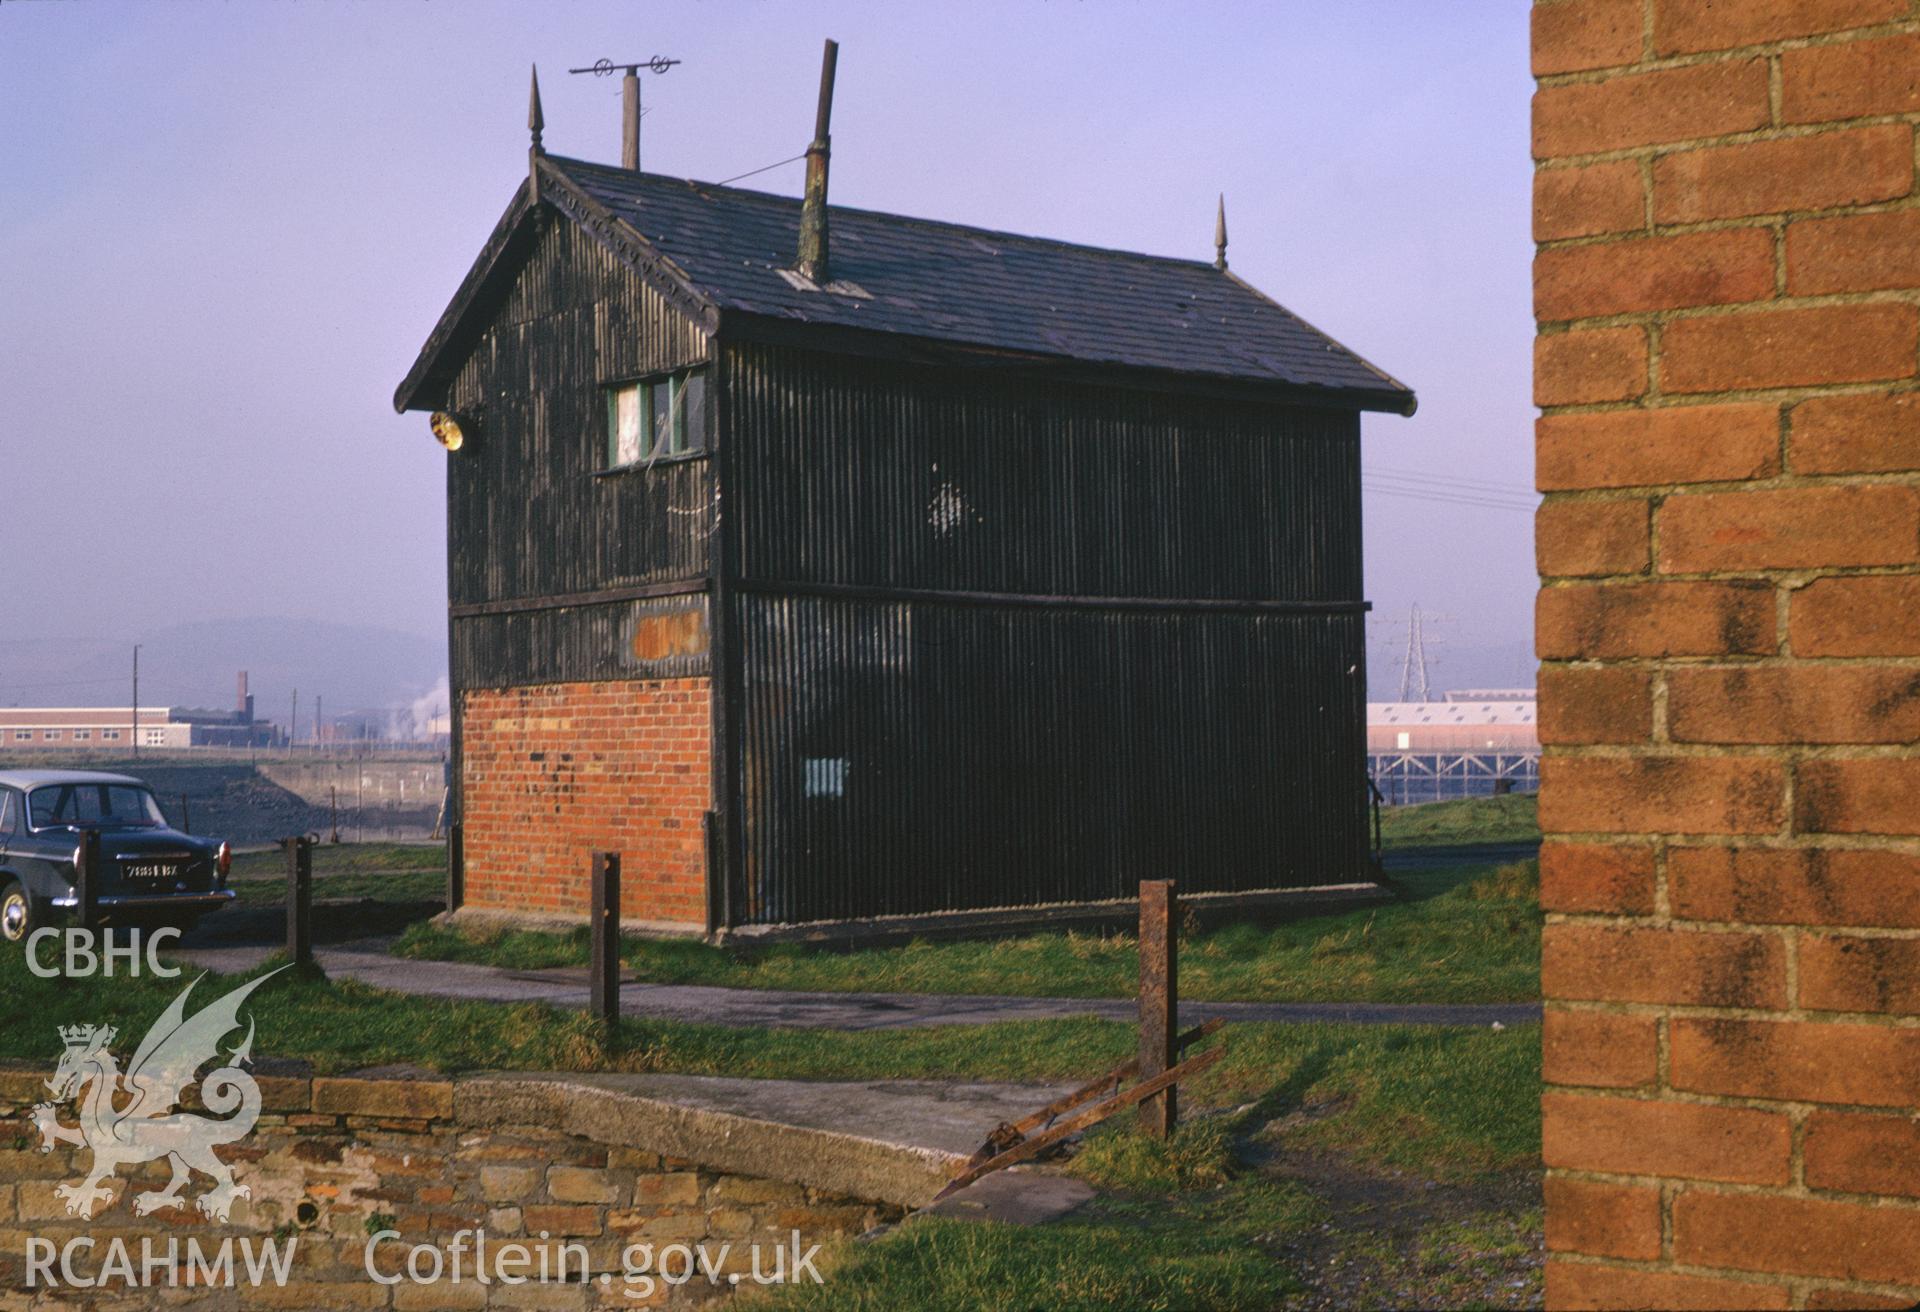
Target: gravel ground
<point>1393,1240</point>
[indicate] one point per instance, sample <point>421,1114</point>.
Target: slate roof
<point>949,282</point>
<point>733,250</point>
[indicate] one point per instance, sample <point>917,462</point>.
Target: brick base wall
<point>1728,364</point>
<point>551,774</point>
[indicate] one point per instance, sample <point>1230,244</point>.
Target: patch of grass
<point>346,859</point>
<point>1437,1101</point>
<point>1200,1155</point>
<point>510,949</point>
<point>396,886</point>
<point>1201,1252</point>
<point>1465,934</point>
<point>1476,1261</point>
<point>1511,819</point>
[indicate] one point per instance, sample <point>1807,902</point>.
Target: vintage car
<point>150,873</point>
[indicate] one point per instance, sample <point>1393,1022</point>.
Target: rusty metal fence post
<point>603,984</point>
<point>86,880</point>
<point>1159,1001</point>
<point>299,900</point>
<point>456,868</point>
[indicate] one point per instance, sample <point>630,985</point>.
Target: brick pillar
<point>1729,625</point>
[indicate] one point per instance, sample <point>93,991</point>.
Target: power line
<point>1439,489</point>
<point>1479,503</point>
<point>765,168</point>
<point>1422,476</point>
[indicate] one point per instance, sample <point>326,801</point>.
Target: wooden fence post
<point>1159,1001</point>
<point>299,900</point>
<point>603,985</point>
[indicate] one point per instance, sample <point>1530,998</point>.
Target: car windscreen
<point>122,806</point>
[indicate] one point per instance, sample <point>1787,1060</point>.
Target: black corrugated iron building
<point>938,569</point>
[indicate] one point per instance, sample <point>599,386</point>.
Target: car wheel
<point>18,915</point>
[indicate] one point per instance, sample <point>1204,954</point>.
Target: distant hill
<point>353,667</point>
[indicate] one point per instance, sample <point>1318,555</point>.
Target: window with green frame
<point>657,417</point>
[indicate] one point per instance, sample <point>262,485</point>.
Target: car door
<point>43,861</point>
<point>16,849</point>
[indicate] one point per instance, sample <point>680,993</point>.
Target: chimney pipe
<point>813,210</point>
<point>630,120</point>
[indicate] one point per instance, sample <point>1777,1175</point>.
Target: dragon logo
<point>134,1118</point>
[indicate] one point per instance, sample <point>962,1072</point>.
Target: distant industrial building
<point>114,728</point>
<point>1463,746</point>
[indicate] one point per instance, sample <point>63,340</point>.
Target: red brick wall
<point>1729,252</point>
<point>551,774</point>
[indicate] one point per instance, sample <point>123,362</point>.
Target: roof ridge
<point>948,224</point>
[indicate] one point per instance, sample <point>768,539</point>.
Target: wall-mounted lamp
<point>450,431</point>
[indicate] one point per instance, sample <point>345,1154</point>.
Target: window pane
<point>679,382</point>
<point>628,425</point>
<point>694,405</point>
<point>662,416</point>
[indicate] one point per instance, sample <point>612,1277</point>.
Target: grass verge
<point>1465,934</point>
<point>369,859</point>
<point>1511,819</point>
<point>1205,1251</point>
<point>409,886</point>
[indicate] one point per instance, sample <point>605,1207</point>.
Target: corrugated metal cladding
<point>527,517</point>
<point>654,638</point>
<point>907,753</point>
<point>911,757</point>
<point>864,472</point>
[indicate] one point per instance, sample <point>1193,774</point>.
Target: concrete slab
<point>1014,1197</point>
<point>369,963</point>
<point>898,1141</point>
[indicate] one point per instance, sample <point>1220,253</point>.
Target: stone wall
<point>333,1160</point>
<point>1728,363</point>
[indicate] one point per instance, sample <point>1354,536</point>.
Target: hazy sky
<point>225,230</point>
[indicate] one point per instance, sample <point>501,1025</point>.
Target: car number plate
<point>149,870</point>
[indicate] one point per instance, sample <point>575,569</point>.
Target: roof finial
<point>1220,234</point>
<point>535,119</point>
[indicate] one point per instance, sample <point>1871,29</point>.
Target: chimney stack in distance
<point>813,262</point>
